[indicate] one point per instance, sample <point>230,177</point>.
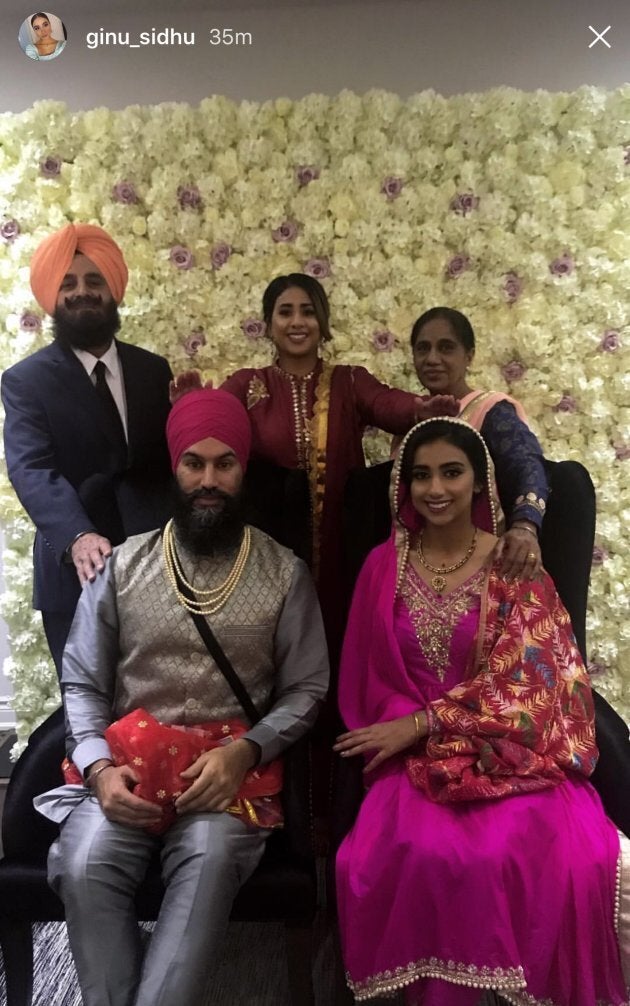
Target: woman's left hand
<point>386,739</point>
<point>519,552</point>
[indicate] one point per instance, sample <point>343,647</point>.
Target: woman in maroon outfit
<point>309,414</point>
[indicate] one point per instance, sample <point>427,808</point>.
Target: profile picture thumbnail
<point>42,36</point>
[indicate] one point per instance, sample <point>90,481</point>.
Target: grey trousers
<point>95,866</point>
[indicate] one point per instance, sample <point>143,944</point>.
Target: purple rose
<point>50,167</point>
<point>457,265</point>
<point>596,668</point>
<point>182,257</point>
<point>566,404</point>
<point>610,341</point>
<point>253,328</point>
<point>513,287</point>
<point>30,322</point>
<point>562,266</point>
<point>622,450</point>
<point>464,203</point>
<point>383,341</point>
<point>513,371</point>
<point>306,173</point>
<point>194,342</point>
<point>392,187</point>
<point>9,230</point>
<point>124,192</point>
<point>288,231</point>
<point>189,196</point>
<point>318,268</point>
<point>219,254</point>
<point>599,555</point>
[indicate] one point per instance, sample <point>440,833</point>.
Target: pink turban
<point>54,256</point>
<point>208,412</point>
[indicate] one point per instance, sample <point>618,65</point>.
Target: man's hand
<point>435,406</point>
<point>89,553</point>
<point>386,739</point>
<point>113,789</point>
<point>519,552</point>
<point>218,776</point>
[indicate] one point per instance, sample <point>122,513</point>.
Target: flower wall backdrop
<point>513,207</point>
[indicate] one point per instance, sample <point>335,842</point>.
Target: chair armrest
<point>26,835</point>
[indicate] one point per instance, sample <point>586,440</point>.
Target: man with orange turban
<point>84,428</point>
<point>175,736</point>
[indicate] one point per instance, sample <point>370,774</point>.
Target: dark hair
<point>457,434</point>
<point>462,329</point>
<point>311,287</point>
<point>39,14</point>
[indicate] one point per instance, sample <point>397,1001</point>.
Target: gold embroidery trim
<point>532,500</point>
<point>473,403</point>
<point>245,808</point>
<point>256,392</point>
<point>317,466</point>
<point>455,972</point>
<point>524,999</point>
<point>434,617</point>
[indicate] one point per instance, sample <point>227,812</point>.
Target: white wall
<point>298,47</point>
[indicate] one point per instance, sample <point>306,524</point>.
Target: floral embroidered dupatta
<point>524,714</point>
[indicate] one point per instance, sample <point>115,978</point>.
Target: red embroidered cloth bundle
<point>158,753</point>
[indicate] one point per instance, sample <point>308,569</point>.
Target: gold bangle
<point>417,722</point>
<point>523,527</point>
<point>93,775</point>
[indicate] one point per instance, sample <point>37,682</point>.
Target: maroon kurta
<point>290,416</point>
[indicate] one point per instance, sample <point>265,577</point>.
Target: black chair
<point>277,500</point>
<point>283,887</point>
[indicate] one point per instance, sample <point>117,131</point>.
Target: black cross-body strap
<point>221,660</point>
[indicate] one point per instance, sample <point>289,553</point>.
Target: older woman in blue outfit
<point>443,346</point>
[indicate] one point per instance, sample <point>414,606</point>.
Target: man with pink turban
<point>169,754</point>
<point>84,429</point>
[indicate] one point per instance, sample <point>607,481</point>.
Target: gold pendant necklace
<point>438,582</point>
<point>206,602</point>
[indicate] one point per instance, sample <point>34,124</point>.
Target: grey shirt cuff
<point>89,751</point>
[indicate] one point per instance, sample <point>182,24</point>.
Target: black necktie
<point>115,427</point>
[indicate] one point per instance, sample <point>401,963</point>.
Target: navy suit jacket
<point>69,474</point>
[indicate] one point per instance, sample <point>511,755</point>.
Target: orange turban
<point>53,258</point>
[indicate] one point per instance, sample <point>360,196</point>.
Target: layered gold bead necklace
<point>205,602</point>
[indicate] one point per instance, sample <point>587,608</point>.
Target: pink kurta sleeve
<point>379,405</point>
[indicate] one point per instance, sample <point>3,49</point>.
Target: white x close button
<point>599,36</point>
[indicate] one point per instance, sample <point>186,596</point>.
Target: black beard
<point>204,531</point>
<point>78,328</point>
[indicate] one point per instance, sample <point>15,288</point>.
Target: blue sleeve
<point>518,462</point>
<point>49,499</point>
